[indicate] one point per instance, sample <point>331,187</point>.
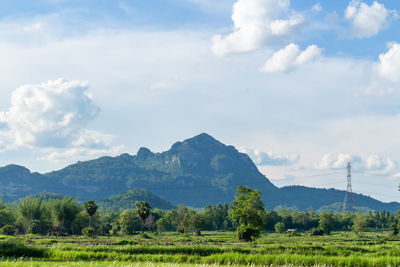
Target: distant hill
<point>126,200</point>
<point>195,172</point>
<point>305,197</point>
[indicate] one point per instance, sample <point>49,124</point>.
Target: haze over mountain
<point>196,172</point>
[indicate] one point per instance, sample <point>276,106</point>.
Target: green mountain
<point>195,172</point>
<point>126,200</point>
<point>305,197</point>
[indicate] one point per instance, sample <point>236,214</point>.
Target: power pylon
<point>349,191</point>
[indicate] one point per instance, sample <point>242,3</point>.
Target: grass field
<point>210,249</point>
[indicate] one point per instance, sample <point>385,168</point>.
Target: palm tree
<point>91,209</point>
<point>143,210</point>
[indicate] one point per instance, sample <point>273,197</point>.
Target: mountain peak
<point>144,154</point>
<point>16,168</point>
<point>202,140</point>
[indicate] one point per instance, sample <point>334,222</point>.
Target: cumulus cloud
<point>50,114</point>
<point>389,63</point>
<point>317,7</point>
<point>256,23</point>
<point>330,161</point>
<point>290,57</point>
<point>269,158</point>
<point>53,117</point>
<point>367,21</point>
<point>373,164</point>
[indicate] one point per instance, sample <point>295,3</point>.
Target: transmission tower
<point>349,190</point>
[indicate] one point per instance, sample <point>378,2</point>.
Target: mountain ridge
<point>195,172</point>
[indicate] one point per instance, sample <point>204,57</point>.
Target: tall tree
<point>247,212</point>
<point>143,210</point>
<point>91,209</point>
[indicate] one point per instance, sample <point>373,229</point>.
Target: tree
<point>359,223</point>
<point>91,209</point>
<point>280,227</point>
<point>128,222</point>
<point>143,211</point>
<point>247,211</point>
<point>31,212</point>
<point>63,212</point>
<point>326,223</point>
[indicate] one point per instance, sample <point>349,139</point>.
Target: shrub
<point>89,231</point>
<point>17,249</point>
<point>38,227</point>
<point>317,231</point>
<point>247,232</point>
<point>394,230</point>
<point>280,227</point>
<point>8,230</point>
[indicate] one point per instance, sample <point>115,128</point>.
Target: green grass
<point>171,249</point>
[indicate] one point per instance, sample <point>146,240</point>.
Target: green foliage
<point>89,231</point>
<point>359,223</point>
<point>39,227</point>
<point>394,228</point>
<point>17,249</point>
<point>192,222</point>
<point>30,210</point>
<point>247,210</point>
<point>143,210</point>
<point>326,222</point>
<point>280,227</point>
<point>247,232</point>
<point>91,208</point>
<point>126,200</point>
<point>128,222</point>
<point>217,217</point>
<point>316,231</point>
<point>8,230</point>
<point>63,212</point>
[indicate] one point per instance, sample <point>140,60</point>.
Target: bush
<point>317,231</point>
<point>38,227</point>
<point>280,227</point>
<point>8,230</point>
<point>89,231</point>
<point>17,249</point>
<point>394,229</point>
<point>247,233</point>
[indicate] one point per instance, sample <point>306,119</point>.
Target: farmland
<point>212,248</point>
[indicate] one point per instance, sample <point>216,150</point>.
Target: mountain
<point>195,172</point>
<point>126,200</point>
<point>305,197</point>
<point>17,181</point>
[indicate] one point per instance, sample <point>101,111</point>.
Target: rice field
<point>210,249</point>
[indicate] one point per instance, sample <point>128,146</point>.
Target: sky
<point>303,87</point>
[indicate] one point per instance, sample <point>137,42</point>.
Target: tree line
<point>245,214</point>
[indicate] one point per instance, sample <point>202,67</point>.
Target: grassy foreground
<point>210,249</point>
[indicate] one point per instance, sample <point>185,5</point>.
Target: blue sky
<point>301,86</point>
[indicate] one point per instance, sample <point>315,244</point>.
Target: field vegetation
<point>41,231</point>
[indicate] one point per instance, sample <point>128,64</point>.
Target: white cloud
<point>290,57</point>
<point>372,164</point>
<point>317,7</point>
<point>329,161</point>
<point>256,23</point>
<point>49,114</point>
<point>269,158</point>
<point>367,21</point>
<point>389,63</point>
<point>52,119</point>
